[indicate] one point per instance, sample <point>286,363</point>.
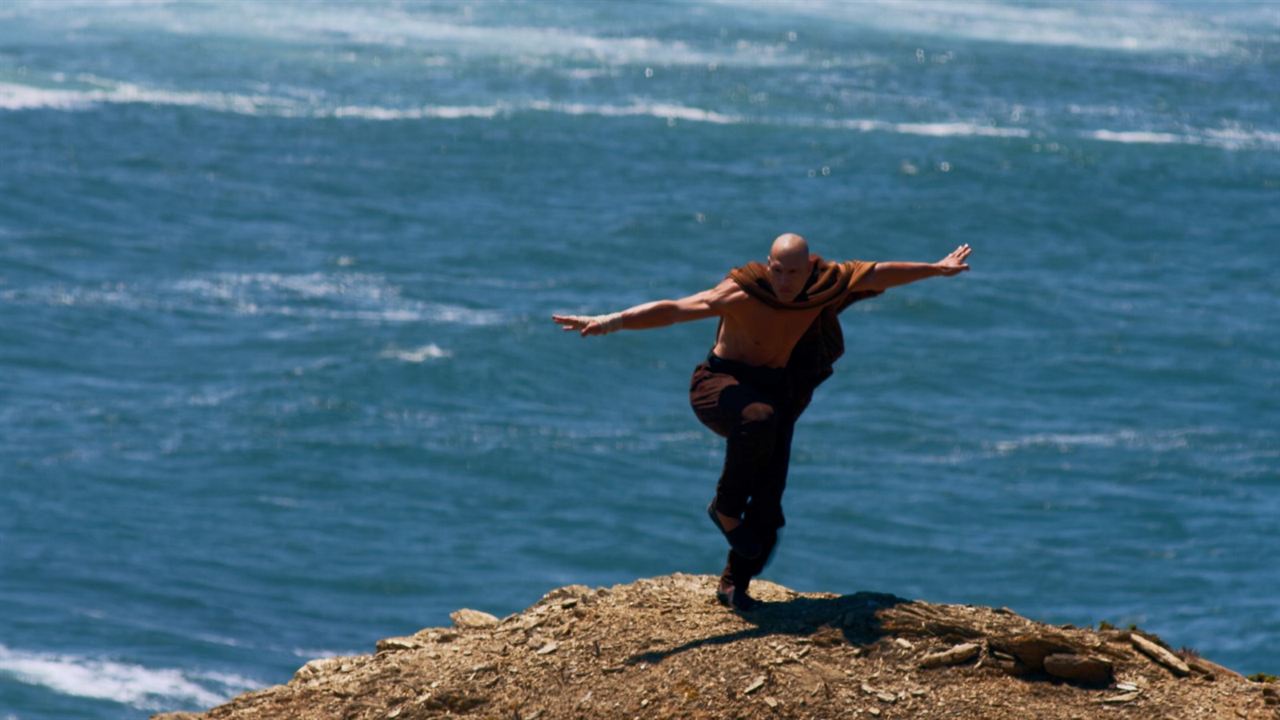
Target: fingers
<point>570,322</point>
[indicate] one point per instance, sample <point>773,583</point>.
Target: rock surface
<point>467,618</point>
<point>663,648</point>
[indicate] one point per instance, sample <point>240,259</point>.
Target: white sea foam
<point>1234,137</point>
<point>1128,26</point>
<point>27,97</point>
<point>130,684</point>
<point>340,296</point>
<point>18,98</point>
<point>459,315</point>
<point>445,112</point>
<point>1159,440</point>
<point>950,129</point>
<point>384,25</point>
<point>652,109</point>
<point>417,355</point>
<point>1230,138</point>
<point>116,295</point>
<point>398,29</point>
<point>587,73</point>
<point>1139,136</point>
<point>22,97</point>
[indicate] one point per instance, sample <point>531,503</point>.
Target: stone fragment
<point>954,656</point>
<point>316,668</point>
<point>754,686</point>
<point>467,618</point>
<point>887,697</point>
<point>1211,670</point>
<point>1033,648</point>
<point>1115,636</point>
<point>1120,699</point>
<point>1010,664</point>
<point>395,644</point>
<point>549,648</point>
<point>435,635</point>
<point>771,702</point>
<point>579,592</point>
<point>904,643</point>
<point>1161,656</point>
<point>1079,668</point>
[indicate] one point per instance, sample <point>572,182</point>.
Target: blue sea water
<point>277,374</point>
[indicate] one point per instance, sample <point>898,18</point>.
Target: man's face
<point>788,274</point>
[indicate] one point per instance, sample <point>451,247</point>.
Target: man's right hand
<point>589,324</point>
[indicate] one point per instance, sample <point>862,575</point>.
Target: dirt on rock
<point>663,648</point>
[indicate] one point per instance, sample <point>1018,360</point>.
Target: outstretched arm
<point>659,313</point>
<point>892,274</point>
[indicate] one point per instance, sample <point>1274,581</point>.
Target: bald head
<point>789,246</point>
<point>789,265</point>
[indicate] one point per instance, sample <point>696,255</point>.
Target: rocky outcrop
<point>662,648</point>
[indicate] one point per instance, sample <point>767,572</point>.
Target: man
<point>777,341</point>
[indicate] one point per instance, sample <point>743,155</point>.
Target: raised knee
<point>757,412</point>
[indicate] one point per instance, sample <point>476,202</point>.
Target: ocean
<point>278,376</point>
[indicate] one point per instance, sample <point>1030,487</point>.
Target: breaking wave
<point>135,685</point>
<point>15,97</point>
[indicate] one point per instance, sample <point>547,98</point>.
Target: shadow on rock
<point>849,619</point>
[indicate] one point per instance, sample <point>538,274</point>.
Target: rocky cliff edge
<point>663,648</point>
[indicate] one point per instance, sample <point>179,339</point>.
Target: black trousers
<point>753,408</point>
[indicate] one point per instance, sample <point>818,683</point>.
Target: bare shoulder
<point>725,295</point>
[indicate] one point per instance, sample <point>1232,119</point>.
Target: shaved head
<point>788,246</point>
<point>789,265</point>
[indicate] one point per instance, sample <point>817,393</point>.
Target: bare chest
<point>760,335</point>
